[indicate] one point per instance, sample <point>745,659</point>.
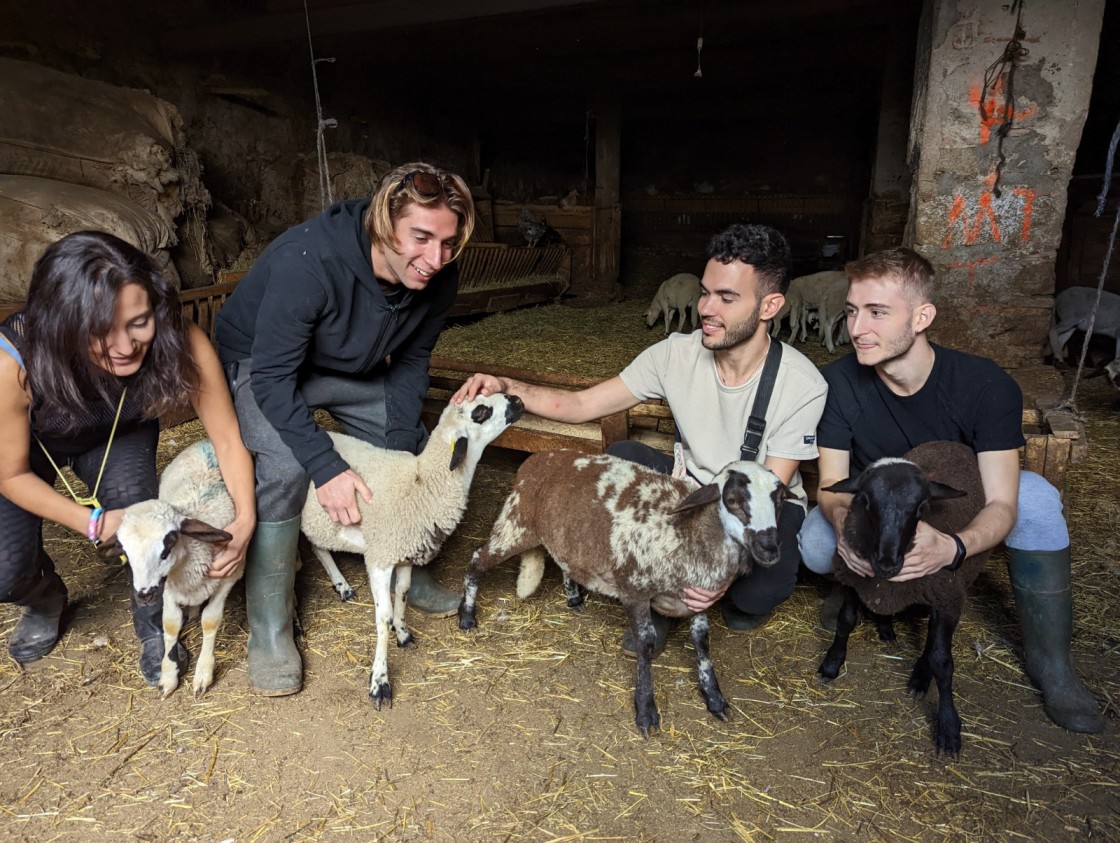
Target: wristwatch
<point>961,552</point>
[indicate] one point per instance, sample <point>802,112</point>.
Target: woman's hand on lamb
<point>338,496</point>
<point>701,599</point>
<point>110,523</point>
<point>932,551</point>
<point>479,384</point>
<point>231,555</point>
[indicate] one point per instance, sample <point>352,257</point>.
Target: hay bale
<point>59,126</point>
<point>37,212</point>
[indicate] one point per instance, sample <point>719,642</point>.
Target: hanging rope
<point>1013,53</point>
<point>325,197</point>
<point>1101,201</point>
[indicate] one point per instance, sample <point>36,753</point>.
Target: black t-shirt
<point>966,399</point>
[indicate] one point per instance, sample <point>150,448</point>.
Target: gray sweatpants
<point>358,404</point>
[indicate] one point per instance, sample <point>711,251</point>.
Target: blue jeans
<point>1039,525</point>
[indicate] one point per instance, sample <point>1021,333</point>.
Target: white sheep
<point>629,532</point>
<point>832,316</point>
<point>170,540</point>
<point>1073,308</point>
<point>936,482</point>
<point>677,294</point>
<point>807,293</point>
<point>418,500</point>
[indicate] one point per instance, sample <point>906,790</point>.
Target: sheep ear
<point>940,491</point>
<point>458,452</point>
<point>701,497</point>
<point>850,486</point>
<point>203,532</point>
<point>111,551</point>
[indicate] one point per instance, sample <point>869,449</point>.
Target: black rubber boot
<point>429,596</point>
<point>275,665</point>
<point>742,621</point>
<point>1041,582</point>
<point>43,598</point>
<point>661,626</point>
<point>147,620</point>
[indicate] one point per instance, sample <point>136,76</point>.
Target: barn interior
<point>635,129</point>
<point>623,124</point>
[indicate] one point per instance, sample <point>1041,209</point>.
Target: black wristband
<point>961,553</point>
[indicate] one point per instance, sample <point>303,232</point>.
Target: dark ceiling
<point>637,50</point>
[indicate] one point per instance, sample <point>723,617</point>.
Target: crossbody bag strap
<point>756,422</point>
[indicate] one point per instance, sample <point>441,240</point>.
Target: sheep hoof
<point>165,692</point>
<point>828,672</point>
<point>467,620</point>
<point>348,595</point>
<point>407,641</point>
<point>648,720</point>
<point>381,692</point>
<point>948,744</point>
<point>722,715</point>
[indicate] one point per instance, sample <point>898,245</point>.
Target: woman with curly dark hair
<point>99,352</point>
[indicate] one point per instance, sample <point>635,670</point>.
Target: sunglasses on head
<point>424,184</point>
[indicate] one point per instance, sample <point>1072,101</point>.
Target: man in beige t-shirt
<point>709,378</point>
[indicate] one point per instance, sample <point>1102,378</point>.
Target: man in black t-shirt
<point>897,391</point>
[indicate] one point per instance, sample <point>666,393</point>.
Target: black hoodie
<point>311,303</point>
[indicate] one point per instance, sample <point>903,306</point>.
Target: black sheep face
<point>889,498</point>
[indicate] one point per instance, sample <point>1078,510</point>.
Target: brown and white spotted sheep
<point>417,502</point>
<point>629,532</point>
<point>939,483</point>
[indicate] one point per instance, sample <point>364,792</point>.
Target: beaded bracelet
<point>94,529</point>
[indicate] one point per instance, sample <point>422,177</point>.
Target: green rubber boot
<point>43,598</point>
<point>429,596</point>
<point>1041,582</point>
<point>275,666</point>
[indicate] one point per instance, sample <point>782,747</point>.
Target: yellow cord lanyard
<point>92,499</point>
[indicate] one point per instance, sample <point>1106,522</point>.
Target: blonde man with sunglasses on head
<point>339,313</point>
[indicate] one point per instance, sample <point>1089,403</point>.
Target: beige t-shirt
<point>712,418</point>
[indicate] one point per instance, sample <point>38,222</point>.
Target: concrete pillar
<point>884,215</point>
<point>994,240</point>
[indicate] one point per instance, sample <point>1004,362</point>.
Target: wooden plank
<point>615,428</point>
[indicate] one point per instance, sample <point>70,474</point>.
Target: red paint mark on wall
<point>989,210</point>
<point>971,267</point>
<point>1027,195</point>
<point>996,111</point>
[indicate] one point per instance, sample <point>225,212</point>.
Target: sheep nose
<point>765,548</point>
<point>514,409</point>
<point>147,596</point>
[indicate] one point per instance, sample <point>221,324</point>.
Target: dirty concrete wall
<point>993,230</point>
<point>888,201</point>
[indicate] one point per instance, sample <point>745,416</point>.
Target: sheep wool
<point>417,502</point>
<point>626,531</point>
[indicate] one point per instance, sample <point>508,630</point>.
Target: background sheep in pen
<point>629,532</point>
<point>417,502</point>
<point>890,496</point>
<point>677,295</point>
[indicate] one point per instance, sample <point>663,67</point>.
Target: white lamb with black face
<point>170,541</point>
<point>620,529</point>
<point>418,500</point>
